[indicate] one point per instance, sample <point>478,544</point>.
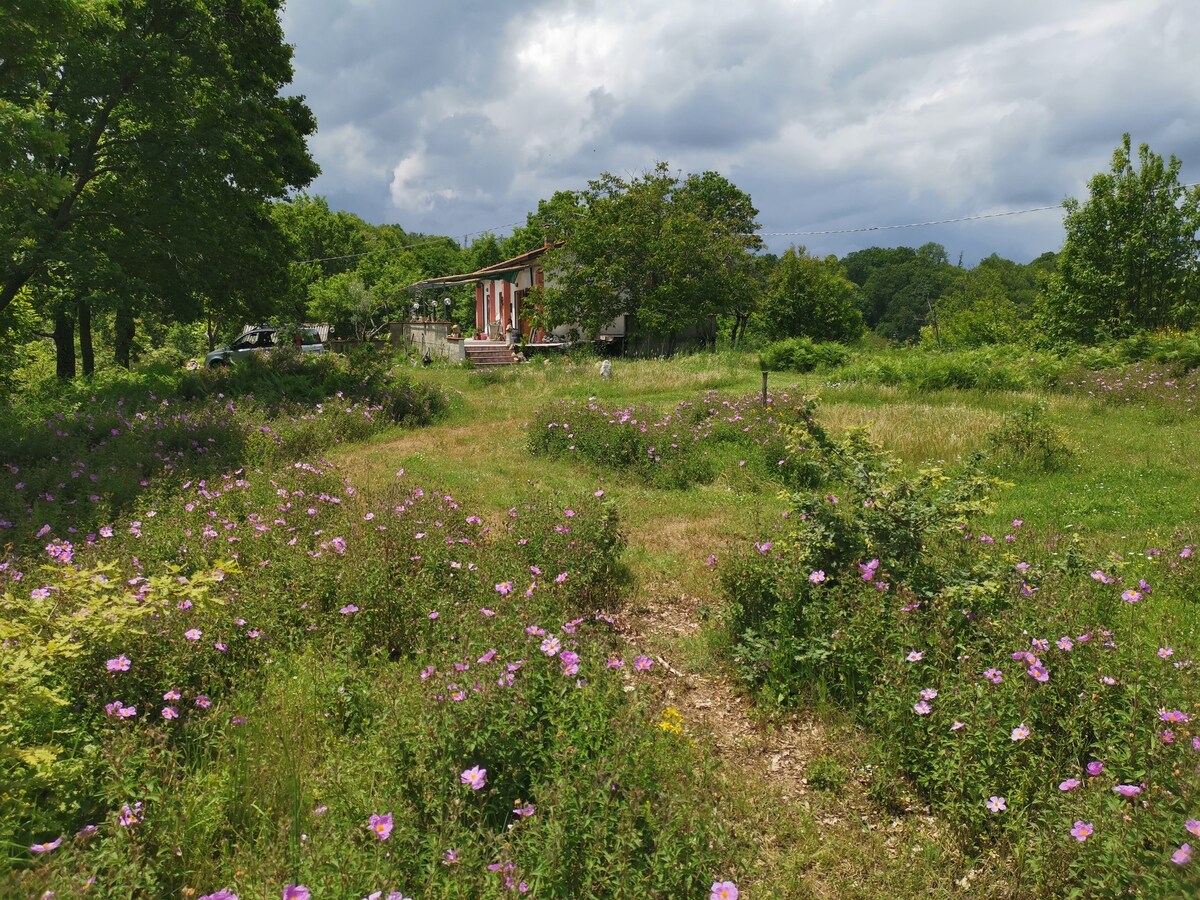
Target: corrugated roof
<point>487,273</point>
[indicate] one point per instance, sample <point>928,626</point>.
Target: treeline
<point>133,230</point>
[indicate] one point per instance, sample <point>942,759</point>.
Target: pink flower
<point>475,777</point>
<point>296,892</point>
<point>118,664</point>
<point>643,663</point>
<point>1069,785</point>
<point>723,890</point>
<point>560,578</point>
<point>1127,790</point>
<point>996,804</point>
<point>170,712</point>
<point>1183,855</point>
<point>1021,732</point>
<point>203,702</point>
<point>1095,767</point>
<point>382,825</point>
<point>46,848</point>
<point>504,588</point>
<point>915,656</point>
<point>348,610</point>
<point>817,577</point>
<point>922,708</point>
<point>1082,831</point>
<point>551,645</point>
<point>193,634</point>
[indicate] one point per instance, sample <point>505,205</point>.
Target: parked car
<point>258,340</point>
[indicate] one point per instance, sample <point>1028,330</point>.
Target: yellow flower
<point>672,721</point>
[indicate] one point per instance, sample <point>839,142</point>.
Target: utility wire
<point>997,215</point>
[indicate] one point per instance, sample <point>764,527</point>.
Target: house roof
<point>494,272</point>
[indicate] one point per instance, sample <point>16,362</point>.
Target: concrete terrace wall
<point>434,337</point>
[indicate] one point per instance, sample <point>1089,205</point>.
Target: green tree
<point>143,137</point>
<point>347,303</point>
<point>811,297</point>
<point>671,253</point>
<point>1129,261</point>
<point>976,310</point>
<point>900,286</point>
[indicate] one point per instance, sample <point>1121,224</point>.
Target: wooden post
<point>764,387</point>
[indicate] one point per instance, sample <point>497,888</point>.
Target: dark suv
<point>260,339</point>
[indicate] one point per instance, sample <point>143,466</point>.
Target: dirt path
<point>799,780</point>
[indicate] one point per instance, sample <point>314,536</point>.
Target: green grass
<point>859,832</point>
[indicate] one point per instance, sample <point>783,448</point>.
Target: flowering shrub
<point>690,444</point>
<point>80,470</point>
<point>1138,384</point>
<point>1045,706</point>
<point>181,688</point>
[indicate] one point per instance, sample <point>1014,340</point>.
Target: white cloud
<point>456,117</point>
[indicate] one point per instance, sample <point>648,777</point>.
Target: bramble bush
<point>268,678</point>
<point>693,443</point>
<point>79,469</point>
<point>1041,705</point>
<point>1026,439</point>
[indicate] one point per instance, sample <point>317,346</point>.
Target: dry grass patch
<point>917,433</point>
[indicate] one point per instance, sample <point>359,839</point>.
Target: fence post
<point>764,387</point>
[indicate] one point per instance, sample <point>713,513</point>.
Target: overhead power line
<point>996,215</point>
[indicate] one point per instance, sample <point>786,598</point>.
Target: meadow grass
<point>340,718</point>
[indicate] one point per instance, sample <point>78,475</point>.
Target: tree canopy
<point>670,251</point>
<point>142,139</point>
<point>1129,261</point>
<point>811,297</point>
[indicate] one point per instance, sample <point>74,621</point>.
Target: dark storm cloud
<point>458,117</point>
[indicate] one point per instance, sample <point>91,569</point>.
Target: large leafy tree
<point>671,252</point>
<point>811,297</point>
<point>142,139</point>
<point>900,286</point>
<point>1129,261</point>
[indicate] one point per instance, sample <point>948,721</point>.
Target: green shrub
<point>1025,438</point>
<point>1017,696</point>
<point>802,355</point>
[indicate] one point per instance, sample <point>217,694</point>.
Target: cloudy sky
<point>456,117</point>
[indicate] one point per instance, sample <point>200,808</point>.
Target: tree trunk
<point>87,355</point>
<point>123,337</point>
<point>64,345</point>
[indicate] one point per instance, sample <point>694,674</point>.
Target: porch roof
<point>501,271</point>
